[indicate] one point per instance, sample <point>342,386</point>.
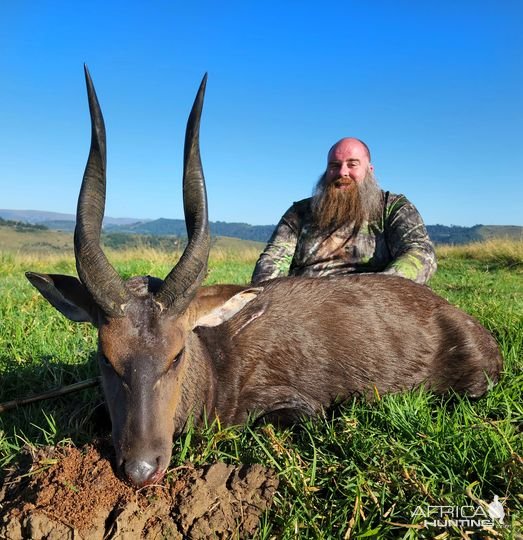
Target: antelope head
<point>144,324</point>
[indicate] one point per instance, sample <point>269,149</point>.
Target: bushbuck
<point>169,349</point>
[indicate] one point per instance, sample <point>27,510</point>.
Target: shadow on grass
<point>79,416</point>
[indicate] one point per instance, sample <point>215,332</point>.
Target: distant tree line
<point>172,233</point>
<point>443,234</point>
<point>440,234</point>
<point>176,227</point>
<point>129,240</point>
<point>22,226</point>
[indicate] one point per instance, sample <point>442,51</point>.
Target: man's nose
<point>344,170</point>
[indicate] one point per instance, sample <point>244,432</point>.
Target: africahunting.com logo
<point>462,516</point>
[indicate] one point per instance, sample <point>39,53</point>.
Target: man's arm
<point>408,242</point>
<point>276,258</point>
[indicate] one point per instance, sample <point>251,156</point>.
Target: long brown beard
<point>333,207</point>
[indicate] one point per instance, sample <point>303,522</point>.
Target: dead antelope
<point>171,348</point>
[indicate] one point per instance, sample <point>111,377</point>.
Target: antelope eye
<point>104,362</point>
<point>178,357</point>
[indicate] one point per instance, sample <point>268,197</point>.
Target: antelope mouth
<point>156,478</point>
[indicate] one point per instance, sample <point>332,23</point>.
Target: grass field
<point>369,470</point>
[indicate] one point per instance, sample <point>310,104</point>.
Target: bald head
<point>349,144</point>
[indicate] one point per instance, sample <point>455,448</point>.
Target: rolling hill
<point>440,234</point>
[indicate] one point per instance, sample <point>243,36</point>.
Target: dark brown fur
<point>297,345</point>
<point>321,340</point>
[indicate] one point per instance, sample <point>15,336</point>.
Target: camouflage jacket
<point>396,244</point>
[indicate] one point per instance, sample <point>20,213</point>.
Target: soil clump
<point>73,493</point>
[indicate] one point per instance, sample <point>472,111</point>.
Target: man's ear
<point>224,311</point>
<point>67,294</point>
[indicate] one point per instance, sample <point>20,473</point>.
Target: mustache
<point>324,184</point>
<point>341,181</point>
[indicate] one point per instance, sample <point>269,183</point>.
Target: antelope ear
<point>67,294</point>
<point>228,309</point>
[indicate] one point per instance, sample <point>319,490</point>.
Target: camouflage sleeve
<point>408,242</point>
<point>276,258</point>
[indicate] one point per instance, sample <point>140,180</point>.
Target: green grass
<point>358,472</point>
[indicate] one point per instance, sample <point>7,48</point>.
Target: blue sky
<point>434,88</point>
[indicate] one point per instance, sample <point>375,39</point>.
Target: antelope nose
<point>141,472</point>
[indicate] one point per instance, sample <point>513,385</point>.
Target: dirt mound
<point>71,493</point>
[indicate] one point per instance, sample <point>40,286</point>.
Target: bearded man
<point>349,226</point>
